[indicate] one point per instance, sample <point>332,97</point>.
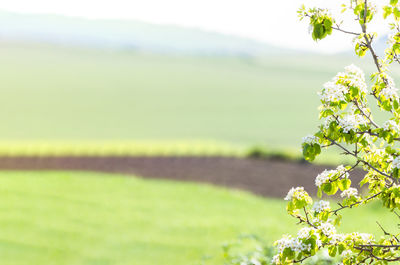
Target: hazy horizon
<point>259,20</point>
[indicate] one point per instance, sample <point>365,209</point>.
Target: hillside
<point>126,34</point>
<point>52,92</point>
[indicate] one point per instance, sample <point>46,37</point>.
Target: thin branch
<point>345,31</point>
<point>359,159</point>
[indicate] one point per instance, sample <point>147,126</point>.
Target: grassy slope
<point>51,93</point>
<point>83,218</point>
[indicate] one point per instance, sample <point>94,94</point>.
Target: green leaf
<point>332,251</point>
<point>396,12</point>
<point>319,193</point>
<point>344,184</point>
<point>341,248</point>
<point>337,220</point>
<point>387,11</point>
<point>396,173</point>
<point>330,188</point>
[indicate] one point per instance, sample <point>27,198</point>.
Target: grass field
<point>76,94</point>
<point>84,218</point>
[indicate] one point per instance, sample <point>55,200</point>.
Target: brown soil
<point>272,178</point>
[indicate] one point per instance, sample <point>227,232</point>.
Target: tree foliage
<point>347,123</point>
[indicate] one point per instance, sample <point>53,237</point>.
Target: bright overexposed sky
<point>270,21</point>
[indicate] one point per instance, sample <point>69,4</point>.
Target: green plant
<point>252,250</point>
<point>348,124</point>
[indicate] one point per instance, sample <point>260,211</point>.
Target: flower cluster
<point>296,193</point>
<point>391,125</point>
<point>305,232</point>
<point>354,76</point>
<point>294,243</point>
<point>365,238</point>
<point>347,254</point>
<point>325,176</point>
<point>352,122</point>
<point>337,238</point>
<point>321,206</point>
<point>333,92</point>
<point>396,162</point>
<point>347,124</point>
<point>327,229</point>
<point>389,91</point>
<point>310,139</point>
<point>349,193</point>
<point>336,90</point>
<point>301,243</point>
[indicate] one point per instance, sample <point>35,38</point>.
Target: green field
<point>86,218</point>
<point>76,94</point>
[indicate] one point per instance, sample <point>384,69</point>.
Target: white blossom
<point>365,237</point>
<point>297,193</point>
<point>305,232</point>
<point>350,192</point>
<point>356,77</point>
<point>310,139</point>
<point>337,238</point>
<point>321,206</point>
<point>290,242</point>
<point>368,238</point>
<point>297,243</point>
<point>327,229</point>
<point>347,254</point>
<point>325,176</point>
<point>351,122</point>
<point>333,92</point>
<point>396,162</point>
<point>391,125</point>
<point>390,91</point>
<point>275,259</point>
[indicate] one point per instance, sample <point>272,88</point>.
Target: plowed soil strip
<point>272,178</point>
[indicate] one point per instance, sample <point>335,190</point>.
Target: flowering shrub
<point>347,123</point>
<point>251,250</point>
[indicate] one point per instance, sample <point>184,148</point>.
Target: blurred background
<point>113,112</point>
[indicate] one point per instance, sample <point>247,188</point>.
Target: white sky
<point>272,21</point>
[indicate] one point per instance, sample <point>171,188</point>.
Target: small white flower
<point>351,122</point>
<point>327,229</point>
<point>396,162</point>
<point>275,259</point>
<point>333,92</point>
<point>326,175</point>
<point>305,232</point>
<point>323,177</point>
<point>391,125</point>
<point>297,193</point>
<point>366,238</point>
<point>356,78</point>
<point>390,91</point>
<point>350,192</point>
<point>310,139</point>
<point>321,206</point>
<point>347,254</point>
